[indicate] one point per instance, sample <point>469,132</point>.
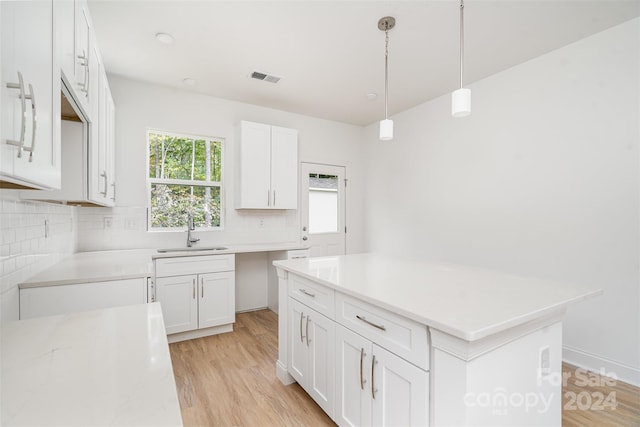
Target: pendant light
<point>386,126</point>
<point>461,98</point>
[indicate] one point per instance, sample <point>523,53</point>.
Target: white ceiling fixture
<point>461,98</point>
<point>328,73</point>
<point>386,126</point>
<point>165,38</point>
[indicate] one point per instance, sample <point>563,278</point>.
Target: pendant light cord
<point>386,74</point>
<point>461,40</point>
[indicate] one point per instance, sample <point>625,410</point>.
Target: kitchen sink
<point>194,249</point>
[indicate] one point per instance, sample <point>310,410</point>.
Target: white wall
<point>25,248</point>
<point>542,179</point>
<point>140,106</point>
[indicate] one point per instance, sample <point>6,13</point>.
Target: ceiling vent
<point>265,77</point>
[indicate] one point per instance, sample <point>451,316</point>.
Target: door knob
<point>304,228</point>
<point>304,237</point>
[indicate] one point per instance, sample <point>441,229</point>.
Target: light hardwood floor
<point>229,380</point>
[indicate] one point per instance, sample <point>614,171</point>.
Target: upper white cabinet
<point>267,167</point>
<point>29,95</point>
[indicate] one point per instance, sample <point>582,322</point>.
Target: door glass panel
<point>323,203</point>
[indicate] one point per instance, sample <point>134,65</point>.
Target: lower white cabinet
<point>376,387</point>
<point>64,299</point>
<point>204,299</point>
<point>312,356</point>
<point>196,301</point>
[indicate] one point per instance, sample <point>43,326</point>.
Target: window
<point>185,178</point>
<point>323,203</point>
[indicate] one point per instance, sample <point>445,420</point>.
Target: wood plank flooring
<point>229,380</point>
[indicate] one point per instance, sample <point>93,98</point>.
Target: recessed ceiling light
<point>165,38</point>
<point>189,81</point>
<point>372,96</point>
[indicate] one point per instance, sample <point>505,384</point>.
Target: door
<point>177,296</point>
<point>284,168</point>
<point>217,299</point>
<point>400,391</point>
<point>323,208</point>
<point>298,327</point>
<point>29,153</point>
<point>321,376</point>
<point>353,374</point>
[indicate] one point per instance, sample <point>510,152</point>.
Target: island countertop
<point>467,302</point>
<point>103,367</point>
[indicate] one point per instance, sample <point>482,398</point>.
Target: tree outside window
<point>185,178</point>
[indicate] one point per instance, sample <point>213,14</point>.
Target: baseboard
<point>625,373</point>
<point>283,375</point>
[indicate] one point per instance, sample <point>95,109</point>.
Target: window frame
<point>186,182</point>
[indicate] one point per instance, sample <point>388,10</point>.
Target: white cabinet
<point>63,299</point>
<point>84,64</point>
<point>29,96</point>
<point>267,167</point>
<point>376,387</point>
<point>312,341</point>
<point>199,301</point>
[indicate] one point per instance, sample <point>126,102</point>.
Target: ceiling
<point>330,54</point>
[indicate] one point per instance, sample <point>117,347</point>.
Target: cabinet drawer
<point>318,297</point>
<point>399,335</point>
<point>166,267</point>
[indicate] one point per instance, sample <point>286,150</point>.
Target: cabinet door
<point>110,136</point>
<point>65,38</point>
<point>29,149</point>
<point>298,353</point>
<point>82,82</point>
<point>178,298</point>
<point>217,299</point>
<point>320,346</point>
<point>353,378</point>
<point>284,168</point>
<point>254,169</point>
<point>400,391</point>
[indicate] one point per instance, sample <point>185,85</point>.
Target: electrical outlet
<point>261,223</point>
<point>108,222</point>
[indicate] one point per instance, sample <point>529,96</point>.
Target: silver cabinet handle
<point>23,119</point>
<point>113,184</point>
<point>268,198</point>
<point>106,183</point>
<point>301,318</point>
<point>361,361</point>
<point>34,122</point>
<point>193,285</point>
<point>84,61</point>
<point>307,293</point>
<point>364,319</point>
<point>373,388</point>
<point>274,198</point>
<point>308,318</point>
<point>202,287</point>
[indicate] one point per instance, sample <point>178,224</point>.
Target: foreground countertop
<point>101,266</point>
<point>466,302</point>
<point>103,367</point>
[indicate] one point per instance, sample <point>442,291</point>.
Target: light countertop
<point>103,367</point>
<point>101,266</point>
<point>466,302</point>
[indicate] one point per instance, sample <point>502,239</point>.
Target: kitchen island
<point>101,367</point>
<point>378,340</point>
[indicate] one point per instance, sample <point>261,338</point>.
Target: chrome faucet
<point>190,227</point>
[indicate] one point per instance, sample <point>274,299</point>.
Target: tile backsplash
<point>33,237</point>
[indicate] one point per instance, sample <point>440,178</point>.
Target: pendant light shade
<point>461,98</point>
<point>461,102</point>
<point>386,126</point>
<point>386,130</point>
